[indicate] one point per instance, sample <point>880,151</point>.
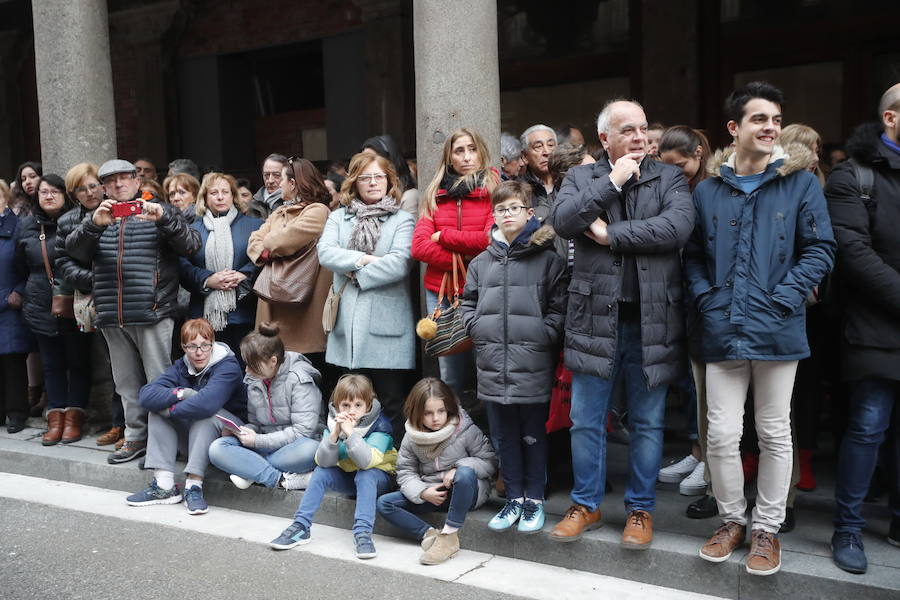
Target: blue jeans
<point>457,370</point>
<point>522,431</point>
<point>871,403</point>
<point>365,484</point>
<point>646,410</point>
<point>401,512</point>
<point>66,359</point>
<point>263,466</point>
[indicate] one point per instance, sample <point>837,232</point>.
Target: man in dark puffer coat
<point>135,265</point>
<point>629,216</point>
<point>868,267</point>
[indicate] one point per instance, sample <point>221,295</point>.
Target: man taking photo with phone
<point>135,265</point>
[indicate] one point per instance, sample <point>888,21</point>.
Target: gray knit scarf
<point>367,229</point>
<point>219,256</point>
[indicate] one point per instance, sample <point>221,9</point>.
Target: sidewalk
<point>672,561</point>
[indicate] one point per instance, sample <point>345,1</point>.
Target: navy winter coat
<point>657,222</point>
<point>15,338</point>
<point>194,272</point>
<point>219,385</point>
<point>514,305</point>
<point>135,265</point>
<point>754,258</point>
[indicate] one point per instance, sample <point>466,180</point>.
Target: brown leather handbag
<point>291,279</point>
<point>62,304</point>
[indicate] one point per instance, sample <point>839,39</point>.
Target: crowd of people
<point>273,333</point>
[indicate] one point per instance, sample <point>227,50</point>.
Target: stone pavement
<point>672,561</point>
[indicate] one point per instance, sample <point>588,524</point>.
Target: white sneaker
<point>676,472</point>
<point>295,481</point>
<point>694,484</point>
<point>239,482</point>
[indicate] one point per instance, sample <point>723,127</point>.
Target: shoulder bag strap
<point>47,268</point>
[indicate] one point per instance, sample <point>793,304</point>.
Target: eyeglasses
<point>49,192</point>
<point>510,210</point>
<point>204,347</point>
<point>367,179</point>
<point>86,188</point>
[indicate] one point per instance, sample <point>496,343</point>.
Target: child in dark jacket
<point>182,404</point>
<point>445,463</point>
<point>514,307</point>
<point>356,456</point>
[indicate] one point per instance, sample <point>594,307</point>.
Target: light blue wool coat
<point>374,327</point>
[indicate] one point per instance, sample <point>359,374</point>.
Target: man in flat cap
<point>135,263</point>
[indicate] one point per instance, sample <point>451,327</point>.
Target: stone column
<point>74,82</point>
<point>457,76</point>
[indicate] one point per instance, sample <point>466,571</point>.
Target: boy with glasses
<point>514,305</point>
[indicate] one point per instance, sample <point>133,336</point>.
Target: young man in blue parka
<point>762,241</point>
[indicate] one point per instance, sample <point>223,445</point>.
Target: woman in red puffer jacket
<point>455,216</point>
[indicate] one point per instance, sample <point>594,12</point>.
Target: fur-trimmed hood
<point>796,157</point>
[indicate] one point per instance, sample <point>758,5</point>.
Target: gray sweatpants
<point>138,354</point>
<point>192,439</point>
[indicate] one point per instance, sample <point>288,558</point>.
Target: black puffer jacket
<point>659,220</point>
<point>514,305</point>
<point>30,259</point>
<point>135,265</point>
<point>868,257</point>
<point>73,272</point>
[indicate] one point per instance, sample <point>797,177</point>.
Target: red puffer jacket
<point>474,212</point>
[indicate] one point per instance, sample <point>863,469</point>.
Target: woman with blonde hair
<point>366,244</point>
<point>220,275</point>
<point>804,135</point>
<point>455,216</point>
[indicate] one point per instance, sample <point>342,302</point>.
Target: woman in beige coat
<point>292,227</point>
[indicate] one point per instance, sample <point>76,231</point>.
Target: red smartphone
<point>127,209</point>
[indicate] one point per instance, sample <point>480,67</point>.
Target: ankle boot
<point>807,481</point>
<point>55,418</point>
<point>72,425</point>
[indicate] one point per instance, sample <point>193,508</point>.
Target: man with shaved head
<point>628,216</point>
<point>864,201</point>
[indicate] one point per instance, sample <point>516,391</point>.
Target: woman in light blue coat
<point>366,243</point>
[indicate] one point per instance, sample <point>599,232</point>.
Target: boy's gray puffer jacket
<point>288,407</point>
<point>467,447</point>
<point>514,306</point>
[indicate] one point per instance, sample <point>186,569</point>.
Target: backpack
<point>829,289</point>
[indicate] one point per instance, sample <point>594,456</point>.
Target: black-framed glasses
<point>204,347</point>
<point>508,210</point>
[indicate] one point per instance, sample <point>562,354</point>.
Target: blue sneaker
<point>365,547</point>
<point>848,552</point>
<point>507,516</point>
<point>295,535</point>
<point>193,498</point>
<point>154,495</point>
<point>532,520</point>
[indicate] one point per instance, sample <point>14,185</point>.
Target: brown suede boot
<point>111,437</point>
<point>72,425</point>
<point>55,418</point>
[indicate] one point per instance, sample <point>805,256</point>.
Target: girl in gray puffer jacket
<point>277,447</point>
<point>445,463</point>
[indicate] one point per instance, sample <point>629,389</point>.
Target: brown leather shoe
<point>765,553</point>
<point>638,531</point>
<point>55,418</point>
<point>575,522</point>
<point>112,436</point>
<point>724,541</point>
<point>72,425</point>
<point>121,442</point>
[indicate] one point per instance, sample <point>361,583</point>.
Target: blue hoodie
<point>218,385</point>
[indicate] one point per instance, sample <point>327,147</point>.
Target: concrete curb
<point>672,560</point>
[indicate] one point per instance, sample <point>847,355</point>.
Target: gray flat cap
<point>116,165</point>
